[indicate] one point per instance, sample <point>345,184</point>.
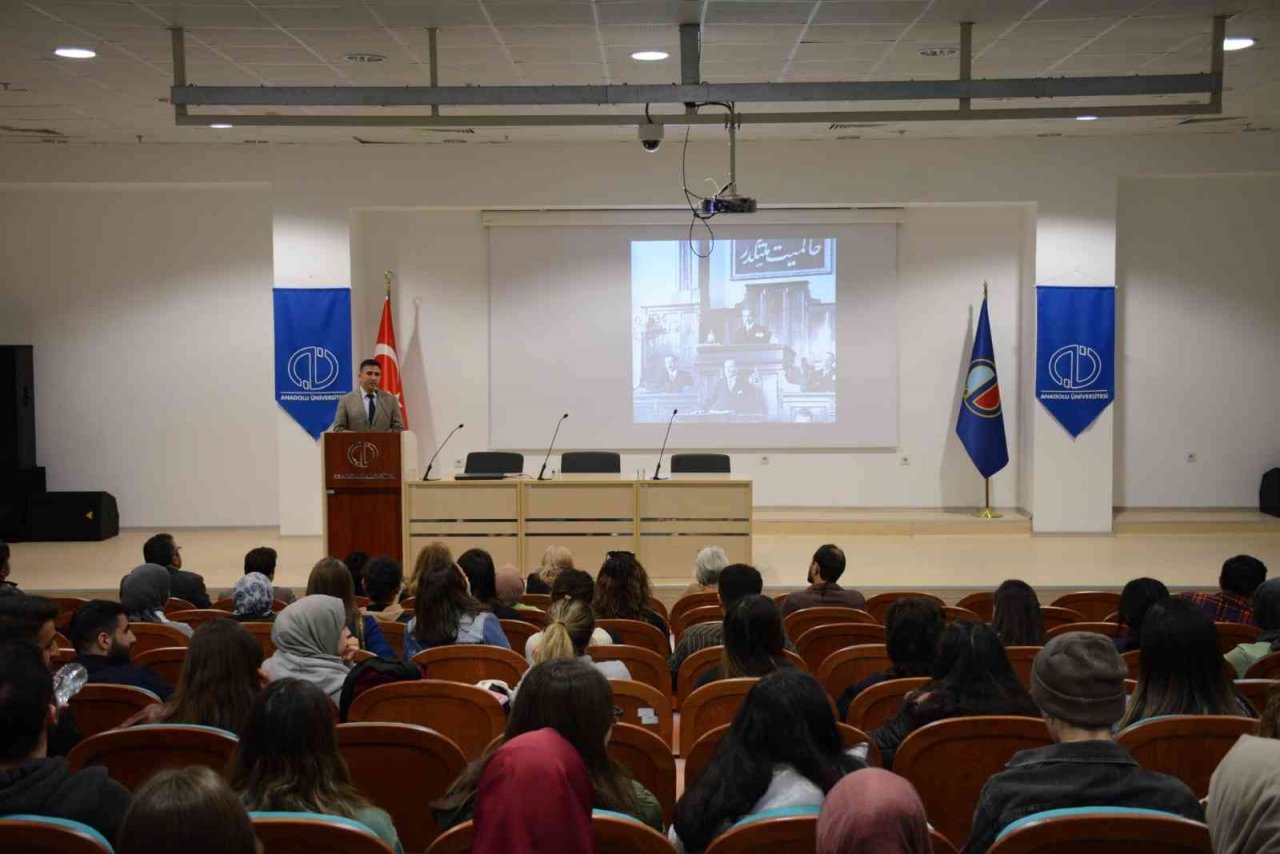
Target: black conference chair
<point>494,462</point>
<point>590,462</point>
<point>699,463</point>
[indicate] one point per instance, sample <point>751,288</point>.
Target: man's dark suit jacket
<point>189,586</point>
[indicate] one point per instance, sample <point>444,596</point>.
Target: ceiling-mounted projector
<point>728,203</point>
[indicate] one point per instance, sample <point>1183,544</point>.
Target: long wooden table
<point>664,522</point>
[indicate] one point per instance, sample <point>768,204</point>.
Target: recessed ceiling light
<point>220,125</point>
<point>650,55</point>
<point>939,51</point>
<point>1237,42</point>
<point>1086,118</point>
<point>75,53</point>
<point>364,57</point>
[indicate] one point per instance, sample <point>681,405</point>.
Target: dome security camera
<point>650,136</point>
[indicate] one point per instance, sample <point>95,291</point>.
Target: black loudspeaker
<point>16,486</point>
<point>1269,494</point>
<point>53,516</point>
<point>17,408</point>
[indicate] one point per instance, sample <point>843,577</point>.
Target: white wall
<point>150,312</point>
<point>1199,266</point>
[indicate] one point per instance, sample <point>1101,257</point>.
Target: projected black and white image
<point>746,334</point>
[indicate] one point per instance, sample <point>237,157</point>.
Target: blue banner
<point>981,422</point>
<point>313,353</point>
<point>1075,353</point>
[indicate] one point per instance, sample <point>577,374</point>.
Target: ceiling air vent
<point>853,126</point>
<point>1199,120</point>
<point>365,58</point>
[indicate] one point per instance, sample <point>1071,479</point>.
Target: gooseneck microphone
<point>658,468</point>
<point>542,473</point>
<point>426,474</point>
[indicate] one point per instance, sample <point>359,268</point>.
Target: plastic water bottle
<point>67,682</point>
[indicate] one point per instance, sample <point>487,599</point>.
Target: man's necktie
<point>370,398</point>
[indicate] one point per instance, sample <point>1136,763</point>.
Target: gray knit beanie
<point>1078,678</point>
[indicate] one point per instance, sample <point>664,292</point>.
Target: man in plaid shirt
<point>736,580</point>
<point>1240,576</point>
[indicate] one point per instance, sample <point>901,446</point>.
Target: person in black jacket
<point>163,550</point>
<point>100,633</point>
<point>30,781</point>
<point>32,619</point>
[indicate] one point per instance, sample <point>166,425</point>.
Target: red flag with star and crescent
<point>387,357</point>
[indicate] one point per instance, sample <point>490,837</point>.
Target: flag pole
<point>986,512</point>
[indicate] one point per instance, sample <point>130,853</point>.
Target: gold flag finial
<point>387,276</point>
<point>984,288</point>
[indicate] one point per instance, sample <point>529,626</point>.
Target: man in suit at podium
<point>368,408</point>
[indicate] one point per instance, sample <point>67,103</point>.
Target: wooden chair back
<point>1095,605</point>
<point>400,768</point>
<point>228,605</point>
<point>1111,630</point>
<point>710,706</point>
<point>876,706</point>
<point>132,755</point>
<point>692,668</point>
<point>393,631</point>
<point>650,762</point>
<point>262,633</point>
<point>851,665</point>
<point>196,617</point>
<point>780,833</point>
<point>63,655</point>
<point>33,834</point>
<point>1021,658</point>
<point>1188,747</point>
<point>155,635</point>
<point>983,604</point>
<point>644,706</point>
<point>878,605</point>
<point>819,642</point>
<point>313,833</point>
<point>518,633</point>
<point>362,601</point>
<point>1231,635</point>
<point>1267,667</point>
<point>469,663</point>
<point>952,613</point>
<point>645,665</point>
<point>164,661</point>
<point>409,603</point>
<point>1105,831</point>
<point>67,607</point>
<point>1052,616</point>
<point>173,603</point>
<point>541,601</point>
<point>99,707</point>
<point>1257,692</point>
<point>458,839</point>
<point>1132,660</point>
<point>617,832</point>
<point>693,616</point>
<point>693,600</point>
<point>798,622</point>
<point>361,655</point>
<point>796,661</point>
<point>537,618</point>
<point>705,747</point>
<point>61,641</point>
<point>949,762</point>
<point>660,608</point>
<point>468,716</point>
<point>638,633</point>
<point>939,844</point>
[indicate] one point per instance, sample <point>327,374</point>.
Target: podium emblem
<point>362,454</point>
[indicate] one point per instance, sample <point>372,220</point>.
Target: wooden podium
<point>364,475</point>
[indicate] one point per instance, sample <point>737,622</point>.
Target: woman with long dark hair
<point>575,700</point>
<point>911,630</point>
<point>445,613</point>
<point>191,810</point>
<point>288,760</point>
<point>329,577</point>
<point>971,676</point>
<point>1181,671</point>
<point>623,591</point>
<point>782,750</point>
<point>753,641</point>
<point>1017,619</point>
<point>482,576</point>
<point>1136,599</point>
<point>1266,616</point>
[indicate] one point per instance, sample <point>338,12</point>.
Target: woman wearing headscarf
<point>312,644</point>
<point>253,594</point>
<point>557,821</point>
<point>144,592</point>
<point>1266,615</point>
<point>1244,798</point>
<point>873,811</point>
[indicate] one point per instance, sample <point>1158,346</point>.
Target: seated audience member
<point>4,567</point>
<point>313,644</point>
<point>912,628</point>
<point>733,582</point>
<point>144,592</point>
<point>509,584</point>
<point>824,571</point>
<point>1240,576</point>
<point>574,700</point>
<point>383,583</point>
<point>253,599</point>
<point>477,565</point>
<point>262,560</point>
<point>435,555</point>
<point>570,625</point>
<point>445,613</point>
<point>782,750</point>
<point>623,591</point>
<point>1266,616</point>
<point>1135,599</point>
<point>555,560</point>
<point>164,552</point>
<point>288,760</point>
<point>1243,809</point>
<point>558,821</point>
<point>873,811</point>
<point>1182,671</point>
<point>100,633</point>
<point>355,564</point>
<point>189,810</point>
<point>329,577</point>
<point>1078,682</point>
<point>30,781</point>
<point>32,619</point>
<point>1017,615</point>
<point>580,587</point>
<point>706,570</point>
<point>971,676</point>
<point>221,677</point>
<point>753,641</point>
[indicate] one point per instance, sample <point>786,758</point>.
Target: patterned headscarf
<point>253,595</point>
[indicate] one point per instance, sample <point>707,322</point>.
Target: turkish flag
<point>385,354</point>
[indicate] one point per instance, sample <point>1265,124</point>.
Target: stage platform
<point>948,552</point>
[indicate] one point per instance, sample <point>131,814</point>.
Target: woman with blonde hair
<point>554,559</point>
<point>568,634</point>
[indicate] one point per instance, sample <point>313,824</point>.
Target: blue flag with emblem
<point>1075,353</point>
<point>313,353</point>
<point>981,423</point>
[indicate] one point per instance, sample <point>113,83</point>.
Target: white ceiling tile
<point>671,12</point>
<point>860,12</point>
<point>576,37</point>
<point>642,38</point>
<point>750,34</point>
<point>539,13</point>
<point>740,12</point>
<point>207,15</point>
<point>840,52</point>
